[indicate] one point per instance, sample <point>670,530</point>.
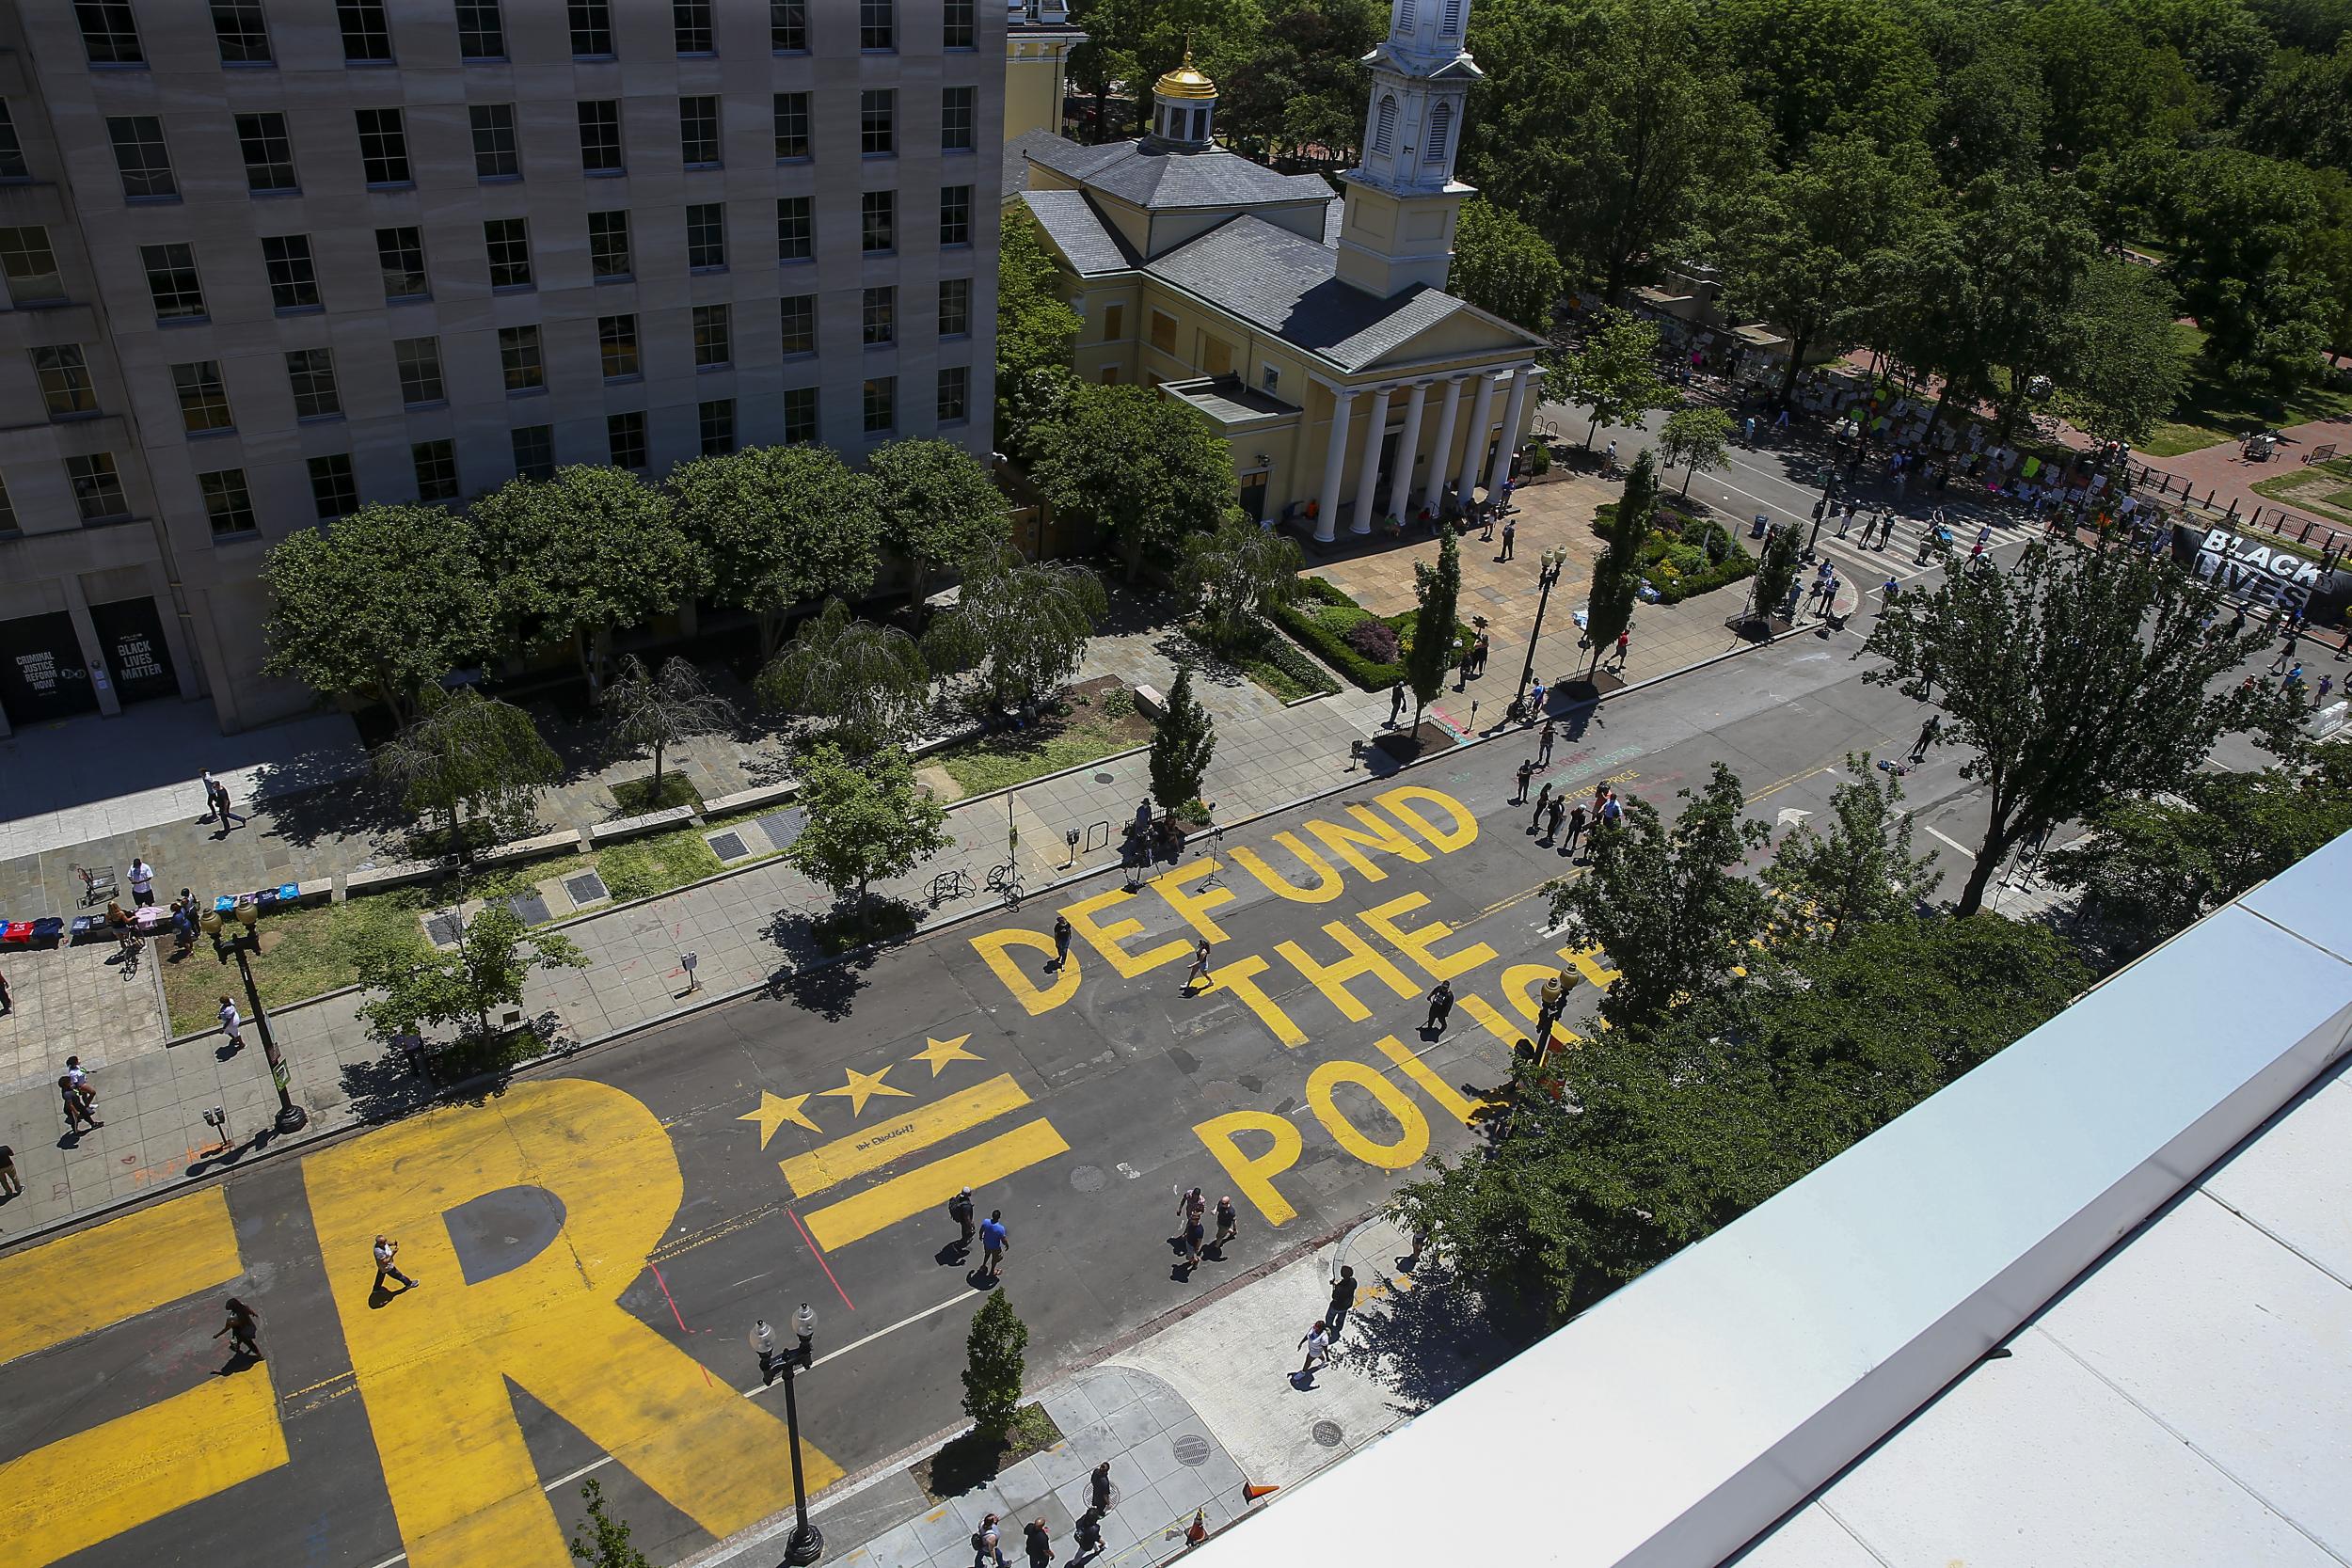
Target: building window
<point>435,462</point>
<point>1163,332</point>
<point>954,214</point>
<point>12,164</point>
<point>31,267</point>
<point>367,36</point>
<point>714,342</point>
<point>65,381</point>
<point>496,155</point>
<point>955,393</point>
<point>293,280</point>
<point>311,373</point>
<point>141,156</point>
<point>706,236</point>
<point>881,313</point>
<point>333,491</point>
<point>419,363</point>
<point>795,237</point>
<point>1383,125</point>
<point>876,110</point>
<point>383,147</point>
<point>616,340</point>
<point>799,324</point>
<point>1452,19</point>
<point>955,119</point>
<point>955,306</point>
<point>480,32</point>
<point>691,21</point>
<point>1114,322</point>
<point>1440,128</point>
<point>400,254</point>
<point>241,32</point>
<point>592,30</point>
<point>518,357</point>
<point>1269,379</point>
<point>203,401</point>
<point>508,241</point>
<point>625,436</point>
<point>96,488</point>
<point>718,427</point>
<point>109,34</point>
<point>171,279</point>
<point>878,221</point>
<point>876,26</point>
<point>787,26</point>
<point>882,401</point>
<point>8,510</point>
<point>600,136</point>
<point>269,153</point>
<point>226,502</point>
<point>792,126</point>
<point>608,246</point>
<point>698,131</point>
<point>956,25</point>
<point>535,451</point>
<point>799,415</point>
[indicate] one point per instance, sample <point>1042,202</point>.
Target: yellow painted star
<point>861,1087</point>
<point>940,1052</point>
<point>774,1111</point>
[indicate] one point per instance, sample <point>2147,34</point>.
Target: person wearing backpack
<point>986,1547</point>
<point>959,1210</point>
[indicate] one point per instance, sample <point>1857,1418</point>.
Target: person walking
<point>1038,1542</point>
<point>142,883</point>
<point>1441,1007</point>
<point>995,1244</point>
<point>1396,702</point>
<point>1061,942</point>
<point>1929,732</point>
<point>1576,830</point>
<point>1845,520</point>
<point>78,1100</point>
<point>1480,649</point>
<point>387,1264</point>
<point>1542,745</point>
<point>1193,1237</point>
<point>1559,810</point>
<point>1510,537</point>
<point>2327,683</point>
<point>1543,798</point>
<point>212,801</point>
<point>987,1548</point>
<point>1625,641</point>
<point>1099,1489</point>
<point>2286,652</point>
<point>1317,1342</point>
<point>1199,970</point>
<point>959,1210</point>
<point>228,816</point>
<point>1527,771</point>
<point>243,1329</point>
<point>1228,1222</point>
<point>1343,1298</point>
<point>231,1025</point>
<point>10,1184</point>
<point>1192,1206</point>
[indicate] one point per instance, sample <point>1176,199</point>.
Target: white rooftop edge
<point>1691,1411</point>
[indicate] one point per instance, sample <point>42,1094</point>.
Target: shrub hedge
<point>1322,616</point>
<point>1686,556</point>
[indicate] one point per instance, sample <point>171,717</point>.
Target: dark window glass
<point>140,156</point>
<point>480,32</point>
<point>600,136</point>
<point>535,451</point>
<point>366,35</point>
<point>954,214</point>
<point>64,377</point>
<point>333,488</point>
<point>203,401</point>
<point>607,245</point>
<point>419,361</point>
<point>877,110</point>
<point>243,35</point>
<point>880,315</point>
<point>787,26</point>
<point>795,235</point>
<point>171,278</point>
<point>698,131</point>
<point>799,324</point>
<point>311,373</point>
<point>508,241</point>
<point>955,393</point>
<point>227,505</point>
<point>110,36</point>
<point>12,164</point>
<point>956,25</point>
<point>496,153</point>
<point>592,28</point>
<point>706,236</point>
<point>383,147</point>
<point>718,427</point>
<point>401,253</point>
<point>518,357</point>
<point>97,487</point>
<point>691,22</point>
<point>31,266</point>
<point>799,413</point>
<point>876,28</point>
<point>624,435</point>
<point>878,221</point>
<point>955,306</point>
<point>882,401</point>
<point>616,342</point>
<point>293,281</point>
<point>268,152</point>
<point>955,119</point>
<point>714,339</point>
<point>791,125</point>
<point>436,470</point>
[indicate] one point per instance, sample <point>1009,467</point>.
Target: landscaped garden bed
<point>1686,556</point>
<point>1089,722</point>
<point>1368,649</point>
<point>1268,658</point>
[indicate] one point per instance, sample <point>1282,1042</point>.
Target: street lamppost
<point>240,937</point>
<point>1843,430</point>
<point>1548,571</point>
<point>807,1542</point>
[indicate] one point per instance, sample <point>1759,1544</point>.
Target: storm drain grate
<point>530,908</point>
<point>587,888</point>
<point>728,846</point>
<point>1329,1434</point>
<point>1192,1449</point>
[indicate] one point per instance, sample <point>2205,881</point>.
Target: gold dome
<point>1185,82</point>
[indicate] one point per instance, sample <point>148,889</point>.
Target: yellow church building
<point>1314,330</point>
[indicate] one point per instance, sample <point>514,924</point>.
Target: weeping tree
<point>662,711</point>
<point>868,681</point>
<point>467,756</point>
<point>1231,573</point>
<point>1027,621</point>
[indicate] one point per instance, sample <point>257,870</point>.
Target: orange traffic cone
<point>1198,1529</point>
<point>1252,1491</point>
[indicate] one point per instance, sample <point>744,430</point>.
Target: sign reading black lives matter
<point>2261,571</point>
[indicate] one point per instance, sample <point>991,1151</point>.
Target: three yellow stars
<point>858,1088</point>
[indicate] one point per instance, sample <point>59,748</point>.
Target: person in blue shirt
<point>993,1242</point>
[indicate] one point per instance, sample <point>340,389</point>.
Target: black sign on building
<point>132,633</point>
<point>42,675</point>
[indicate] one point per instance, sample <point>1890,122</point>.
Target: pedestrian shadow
<point>953,1255</point>
<point>240,1360</point>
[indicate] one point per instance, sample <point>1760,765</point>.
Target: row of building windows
<point>29,264</point>
<point>110,33</point>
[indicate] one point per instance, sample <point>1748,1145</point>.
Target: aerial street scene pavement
<point>1507,779</point>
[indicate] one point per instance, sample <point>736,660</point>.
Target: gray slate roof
<point>1140,172</point>
<point>1017,159</point>
<point>1079,233</point>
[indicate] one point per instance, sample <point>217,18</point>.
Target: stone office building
<point>262,261</point>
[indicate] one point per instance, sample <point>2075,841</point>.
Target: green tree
<point>780,525</point>
<point>1036,330</point>
<point>1669,905</point>
<point>939,505</point>
<point>1618,575</point>
<point>467,756</point>
<point>2106,87</point>
<point>380,604</point>
<point>2302,108</point>
<point>995,1361</point>
<point>1776,570</point>
<point>2125,371</point>
<point>2247,233</point>
<point>661,711</point>
<point>868,681</point>
<point>1233,572</point>
<point>1430,653</point>
<point>1298,86</point>
<point>607,1544</point>
<point>866,820</point>
<point>1026,621</point>
<point>578,555</point>
<point>1139,464</point>
<point>1863,872</point>
<point>1991,117</point>
<point>1817,69</point>
<point>410,982</point>
<point>1614,371</point>
<point>2073,679</point>
<point>1504,266</point>
<point>1698,437</point>
<point>1183,744</point>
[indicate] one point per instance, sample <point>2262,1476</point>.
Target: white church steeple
<point>1402,196</point>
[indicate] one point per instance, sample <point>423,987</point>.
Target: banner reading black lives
<point>2262,571</point>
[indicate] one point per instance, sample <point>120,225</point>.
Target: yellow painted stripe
<point>928,1187</point>
<point>98,1278</point>
<point>876,1146</point>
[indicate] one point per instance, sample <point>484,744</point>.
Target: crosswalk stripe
<point>932,1185</point>
<point>872,1148</point>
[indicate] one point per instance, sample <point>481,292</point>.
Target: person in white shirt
<point>231,1024</point>
<point>142,882</point>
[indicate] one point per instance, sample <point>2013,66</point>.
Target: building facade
<point>1038,40</point>
<point>264,260</point>
<point>1314,331</point>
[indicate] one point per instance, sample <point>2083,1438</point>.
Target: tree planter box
<point>635,827</point>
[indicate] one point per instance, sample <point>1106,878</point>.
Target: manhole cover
<point>1329,1434</point>
<point>1106,778</point>
<point>1088,1179</point>
<point>586,888</point>
<point>728,846</point>
<point>1193,1449</point>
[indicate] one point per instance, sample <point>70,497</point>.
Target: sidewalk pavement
<point>2231,478</point>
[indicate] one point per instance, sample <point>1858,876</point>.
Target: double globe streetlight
<point>239,937</point>
<point>807,1542</point>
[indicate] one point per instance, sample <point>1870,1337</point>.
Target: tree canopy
<point>1143,466</point>
<point>1504,266</point>
<point>939,505</point>
<point>1613,371</point>
<point>1026,623</point>
<point>1618,575</point>
<point>868,820</point>
<point>867,680</point>
<point>780,525</point>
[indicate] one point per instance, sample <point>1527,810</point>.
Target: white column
<point>1368,467</point>
<point>1408,447</point>
<point>1512,412</point>
<point>1474,442</point>
<point>1442,451</point>
<point>1327,504</point>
